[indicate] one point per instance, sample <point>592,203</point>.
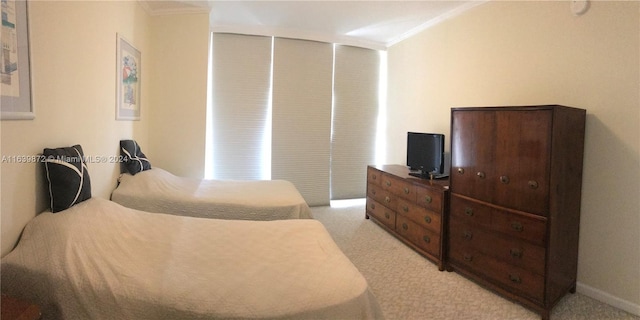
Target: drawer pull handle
<point>428,199</point>
<point>517,226</point>
<point>388,183</point>
<point>504,179</point>
<point>427,219</point>
<point>374,177</point>
<point>387,199</point>
<point>373,206</point>
<point>515,253</point>
<point>467,235</point>
<point>481,174</point>
<point>533,184</point>
<point>426,239</point>
<point>386,215</point>
<point>467,257</point>
<point>405,226</point>
<point>406,190</point>
<point>373,192</point>
<point>461,170</point>
<point>468,211</point>
<point>515,278</point>
<point>405,208</point>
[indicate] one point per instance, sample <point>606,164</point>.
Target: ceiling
<point>371,24</point>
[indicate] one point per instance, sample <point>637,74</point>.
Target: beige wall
<point>73,63</point>
<point>180,45</point>
<point>521,53</point>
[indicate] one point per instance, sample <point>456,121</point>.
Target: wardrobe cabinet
<point>515,184</point>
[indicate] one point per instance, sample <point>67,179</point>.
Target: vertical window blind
<point>309,108</point>
<point>355,114</point>
<point>241,84</point>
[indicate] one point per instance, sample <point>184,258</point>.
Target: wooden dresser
<point>410,208</point>
<point>516,176</point>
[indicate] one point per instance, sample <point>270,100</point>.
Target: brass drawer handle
<point>405,208</point>
<point>427,219</point>
<point>468,211</point>
<point>405,226</point>
<point>517,226</point>
<point>373,206</point>
<point>515,253</point>
<point>467,235</point>
<point>406,190</point>
<point>387,215</point>
<point>387,199</point>
<point>373,192</point>
<point>467,257</point>
<point>461,170</point>
<point>426,239</point>
<point>533,184</point>
<point>388,183</point>
<point>428,199</point>
<point>515,278</point>
<point>481,175</point>
<point>504,179</point>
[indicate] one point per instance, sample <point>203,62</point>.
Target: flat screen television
<point>425,154</point>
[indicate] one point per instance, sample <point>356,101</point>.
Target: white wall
<point>537,52</point>
<point>73,64</point>
<point>180,45</point>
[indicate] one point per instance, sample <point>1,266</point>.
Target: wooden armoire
<point>516,177</point>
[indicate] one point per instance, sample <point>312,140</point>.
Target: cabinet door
<point>502,157</point>
<point>522,160</point>
<point>473,135</point>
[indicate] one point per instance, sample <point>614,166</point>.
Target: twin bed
<point>98,259</point>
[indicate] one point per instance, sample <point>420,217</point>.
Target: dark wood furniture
<point>15,309</point>
<point>410,208</point>
<point>516,176</point>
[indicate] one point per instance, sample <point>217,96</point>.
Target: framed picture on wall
<point>15,69</point>
<point>128,80</point>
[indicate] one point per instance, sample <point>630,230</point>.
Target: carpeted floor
<point>409,286</point>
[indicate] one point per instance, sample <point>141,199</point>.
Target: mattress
<point>100,260</point>
<point>157,190</point>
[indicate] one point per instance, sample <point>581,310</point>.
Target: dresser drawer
<point>512,251</point>
<point>425,239</point>
<point>467,211</point>
<point>382,196</point>
<point>518,224</point>
<point>510,277</point>
<point>423,217</point>
<point>429,198</point>
<point>381,213</point>
<point>374,176</point>
<point>399,187</point>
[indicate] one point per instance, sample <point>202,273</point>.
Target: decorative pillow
<point>67,175</point>
<point>134,160</point>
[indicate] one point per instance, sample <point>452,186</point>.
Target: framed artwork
<point>128,81</point>
<point>15,69</point>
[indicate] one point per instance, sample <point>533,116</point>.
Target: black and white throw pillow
<point>134,160</point>
<point>67,175</point>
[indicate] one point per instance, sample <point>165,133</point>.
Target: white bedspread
<point>100,260</point>
<point>157,190</point>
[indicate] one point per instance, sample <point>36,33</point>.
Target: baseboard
<point>609,299</point>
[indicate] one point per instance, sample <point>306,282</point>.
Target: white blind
<point>241,76</point>
<point>355,114</point>
<point>302,85</point>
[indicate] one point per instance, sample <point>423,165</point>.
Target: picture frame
<point>128,77</point>
<point>16,101</point>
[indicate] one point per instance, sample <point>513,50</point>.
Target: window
<point>297,110</point>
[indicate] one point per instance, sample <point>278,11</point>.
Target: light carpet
<point>408,286</point>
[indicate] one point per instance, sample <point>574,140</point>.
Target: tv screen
<point>425,152</point>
